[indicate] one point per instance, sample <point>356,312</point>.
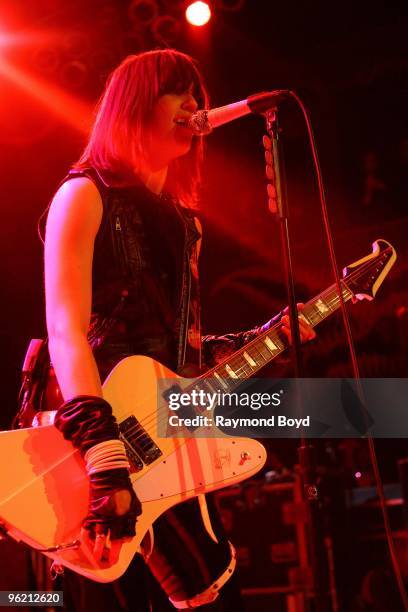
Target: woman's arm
<point>217,348</point>
<point>85,418</point>
<point>73,221</point>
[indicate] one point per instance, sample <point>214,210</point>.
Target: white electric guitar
<point>44,486</point>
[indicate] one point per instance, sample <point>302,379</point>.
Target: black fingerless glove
<point>101,510</point>
<point>86,421</point>
<point>217,348</point>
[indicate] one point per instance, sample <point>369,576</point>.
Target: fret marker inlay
<point>271,345</point>
<point>249,359</point>
<point>321,306</point>
<point>231,371</point>
<point>218,377</point>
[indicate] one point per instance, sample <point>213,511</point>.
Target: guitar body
<point>44,494</point>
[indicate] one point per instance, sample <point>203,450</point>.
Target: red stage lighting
<point>9,40</point>
<point>198,13</point>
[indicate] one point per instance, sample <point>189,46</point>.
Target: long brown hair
<point>116,138</point>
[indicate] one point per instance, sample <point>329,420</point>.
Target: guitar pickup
<point>138,442</point>
<point>136,464</point>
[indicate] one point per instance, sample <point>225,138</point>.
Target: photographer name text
<point>201,420</point>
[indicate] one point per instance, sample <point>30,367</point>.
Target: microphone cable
<point>350,341</point>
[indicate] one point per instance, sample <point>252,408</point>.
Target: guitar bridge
<point>138,442</point>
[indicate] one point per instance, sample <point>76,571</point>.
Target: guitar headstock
<point>365,276</point>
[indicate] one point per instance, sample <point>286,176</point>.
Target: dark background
<point>349,63</point>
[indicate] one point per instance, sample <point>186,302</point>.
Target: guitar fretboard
<point>264,348</point>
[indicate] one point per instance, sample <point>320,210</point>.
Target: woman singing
<point>121,250</point>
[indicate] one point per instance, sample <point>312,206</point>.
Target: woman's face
<point>169,135</point>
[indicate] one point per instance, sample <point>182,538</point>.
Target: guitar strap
<point>188,325</point>
<point>32,390</point>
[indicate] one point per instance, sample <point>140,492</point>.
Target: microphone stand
<point>318,590</point>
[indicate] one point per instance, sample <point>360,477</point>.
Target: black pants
<point>188,557</point>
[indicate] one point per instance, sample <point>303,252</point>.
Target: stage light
<point>198,13</point>
<point>10,40</point>
<point>358,475</point>
<point>71,109</point>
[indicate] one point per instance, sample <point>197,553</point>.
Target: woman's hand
<point>112,515</point>
<point>306,331</point>
<point>113,507</point>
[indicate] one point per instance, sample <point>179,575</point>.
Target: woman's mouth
<point>182,122</point>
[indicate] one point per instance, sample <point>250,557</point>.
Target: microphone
<point>203,122</point>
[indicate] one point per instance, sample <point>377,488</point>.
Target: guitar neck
<point>264,348</point>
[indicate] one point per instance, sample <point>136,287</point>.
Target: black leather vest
<point>144,293</point>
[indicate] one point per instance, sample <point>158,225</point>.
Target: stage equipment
<point>319,590</point>
<point>366,531</point>
<point>307,454</point>
<point>396,567</point>
<point>50,474</point>
<point>267,523</point>
<point>203,122</point>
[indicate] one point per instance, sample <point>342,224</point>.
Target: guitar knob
<point>245,456</point>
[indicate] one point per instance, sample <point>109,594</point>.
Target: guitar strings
<point>164,409</point>
<point>151,418</point>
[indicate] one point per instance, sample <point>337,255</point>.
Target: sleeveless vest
<point>145,295</point>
